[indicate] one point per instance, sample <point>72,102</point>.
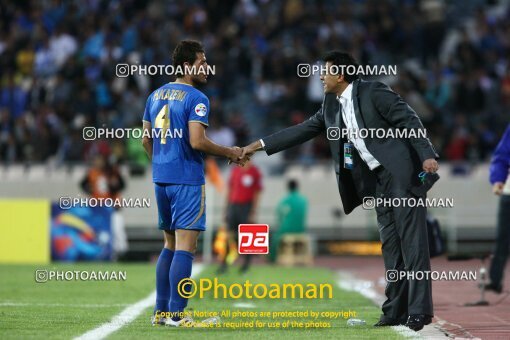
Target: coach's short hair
<point>186,52</point>
<point>340,58</point>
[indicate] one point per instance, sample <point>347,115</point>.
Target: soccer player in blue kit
<point>174,123</point>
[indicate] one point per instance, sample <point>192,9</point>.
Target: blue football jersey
<point>169,109</point>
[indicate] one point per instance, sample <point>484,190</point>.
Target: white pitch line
<point>127,315</point>
<point>366,288</point>
<point>244,305</point>
<point>87,305</point>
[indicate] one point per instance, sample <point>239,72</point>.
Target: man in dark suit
<point>374,167</point>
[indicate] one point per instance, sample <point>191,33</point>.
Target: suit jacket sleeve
<point>295,135</point>
<point>396,111</point>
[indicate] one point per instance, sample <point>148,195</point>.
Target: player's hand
<point>245,156</point>
<point>246,153</point>
<point>497,188</point>
<point>430,165</point>
<point>249,150</point>
<point>235,155</point>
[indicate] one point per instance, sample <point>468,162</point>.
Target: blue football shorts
<point>180,206</point>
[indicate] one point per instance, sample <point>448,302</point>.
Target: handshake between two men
<point>241,156</point>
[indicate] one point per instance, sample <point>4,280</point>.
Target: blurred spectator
<point>13,97</point>
<point>453,61</point>
<point>104,180</point>
<point>290,216</point>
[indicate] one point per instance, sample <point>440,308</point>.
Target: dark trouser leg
<point>395,306</point>
<point>411,226</point>
<point>502,241</point>
<point>403,230</point>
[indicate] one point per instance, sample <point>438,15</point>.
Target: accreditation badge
<point>348,161</point>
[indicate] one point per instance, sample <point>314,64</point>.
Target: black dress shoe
<point>492,287</point>
<point>390,322</point>
<point>383,323</point>
<point>417,321</point>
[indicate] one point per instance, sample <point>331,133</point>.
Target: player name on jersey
<point>169,94</point>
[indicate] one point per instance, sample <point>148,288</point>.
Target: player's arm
<point>147,140</point>
<point>200,142</point>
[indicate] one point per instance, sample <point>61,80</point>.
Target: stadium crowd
<point>58,68</point>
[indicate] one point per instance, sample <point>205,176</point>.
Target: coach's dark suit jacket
<point>375,106</point>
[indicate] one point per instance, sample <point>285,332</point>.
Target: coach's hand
<point>430,165</point>
<point>249,150</point>
<point>235,155</point>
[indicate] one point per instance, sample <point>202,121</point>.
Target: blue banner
<point>81,233</point>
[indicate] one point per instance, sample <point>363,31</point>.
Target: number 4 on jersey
<point>163,122</point>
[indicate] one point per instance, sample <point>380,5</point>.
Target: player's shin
<point>162,280</point>
<point>180,269</point>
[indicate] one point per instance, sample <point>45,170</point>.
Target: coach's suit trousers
<point>403,233</point>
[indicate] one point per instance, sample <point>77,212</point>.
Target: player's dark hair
<point>340,58</point>
<point>292,185</point>
<point>186,52</point>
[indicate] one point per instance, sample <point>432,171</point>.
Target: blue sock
<point>162,280</point>
<point>180,269</point>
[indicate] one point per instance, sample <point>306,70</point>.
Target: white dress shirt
<point>351,124</point>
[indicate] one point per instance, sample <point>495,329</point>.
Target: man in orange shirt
<point>103,180</point>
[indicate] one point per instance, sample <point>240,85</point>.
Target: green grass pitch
<point>66,309</point>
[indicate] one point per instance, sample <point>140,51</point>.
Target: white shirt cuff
<point>263,144</point>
